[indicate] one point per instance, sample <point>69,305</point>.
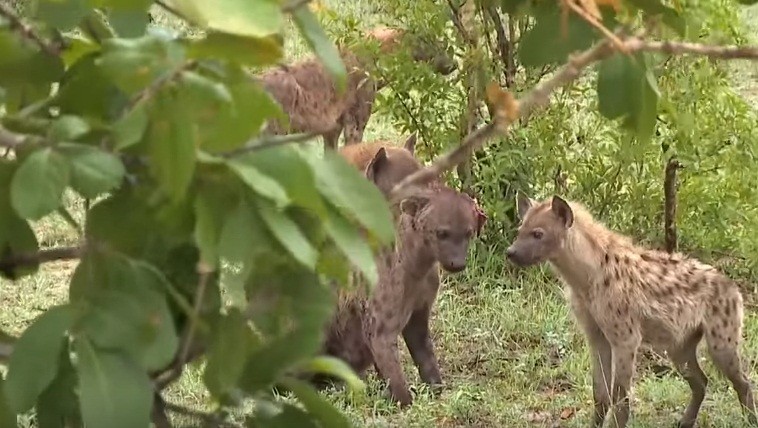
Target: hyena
<point>306,92</point>
<point>433,228</point>
<point>624,295</point>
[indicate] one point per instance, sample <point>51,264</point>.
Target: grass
<point>509,350</point>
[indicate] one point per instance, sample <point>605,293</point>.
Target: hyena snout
<point>516,257</point>
<point>454,265</point>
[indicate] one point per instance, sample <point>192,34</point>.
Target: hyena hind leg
<point>685,360</point>
<point>723,338</point>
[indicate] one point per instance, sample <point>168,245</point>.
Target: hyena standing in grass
<point>306,92</point>
<point>624,295</point>
<point>433,228</point>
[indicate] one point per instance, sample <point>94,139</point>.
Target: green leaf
<point>346,188</point>
<point>290,416</point>
<point>22,65</point>
<point>127,308</point>
<point>86,91</point>
<point>93,171</point>
<point>228,353</point>
<point>7,416</point>
<point>261,183</point>
<point>299,180</point>
<point>61,14</point>
<point>627,89</point>
<point>317,406</point>
<point>512,6</point>
<point>38,184</point>
<point>114,392</point>
<point>129,23</point>
<point>288,234</point>
<point>213,204</point>
<point>58,406</point>
<point>259,18</point>
<point>349,239</point>
<point>130,128</point>
<point>545,44</point>
<point>321,44</point>
<point>172,139</point>
<point>77,47</point>
<point>16,236</point>
<point>247,51</point>
<point>34,361</point>
<point>131,5</point>
<point>335,367</point>
<point>133,64</point>
<point>67,128</point>
<point>268,362</point>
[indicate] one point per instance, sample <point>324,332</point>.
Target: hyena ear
<point>561,208</point>
<point>523,204</point>
<point>375,166</point>
<point>410,143</point>
<point>412,205</point>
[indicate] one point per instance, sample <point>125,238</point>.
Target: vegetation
<point>145,226</point>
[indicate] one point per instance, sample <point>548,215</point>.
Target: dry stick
<point>270,141</point>
<point>28,32</point>
<point>540,97</point>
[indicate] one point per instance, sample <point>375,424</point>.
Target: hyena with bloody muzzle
<point>624,295</point>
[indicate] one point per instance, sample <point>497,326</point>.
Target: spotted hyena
<point>624,295</point>
<point>306,93</point>
<point>433,228</point>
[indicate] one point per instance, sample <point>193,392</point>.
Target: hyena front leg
<point>383,330</point>
<point>421,348</point>
<point>624,353</point>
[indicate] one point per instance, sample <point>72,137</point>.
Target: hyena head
<point>446,220</point>
<point>392,164</point>
<point>543,230</point>
<point>433,52</point>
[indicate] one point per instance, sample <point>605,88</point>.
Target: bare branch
<point>682,48</point>
<point>268,141</point>
<point>11,140</point>
<point>28,32</point>
<point>9,263</point>
<point>6,349</point>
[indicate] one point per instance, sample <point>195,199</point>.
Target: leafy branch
<point>540,97</point>
<point>268,141</point>
<point>28,32</point>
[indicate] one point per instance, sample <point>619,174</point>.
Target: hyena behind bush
<point>624,295</point>
<point>307,94</point>
<point>433,229</point>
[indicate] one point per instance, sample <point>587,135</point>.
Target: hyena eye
<point>537,234</point>
<point>442,234</point>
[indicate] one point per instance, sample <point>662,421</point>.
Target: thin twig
<point>152,90</point>
<point>28,32</point>
<point>204,273</point>
<point>11,140</point>
<point>682,48</point>
<point>268,141</point>
<point>209,418</point>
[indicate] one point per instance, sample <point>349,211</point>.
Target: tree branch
<point>152,90</point>
<point>9,263</point>
<point>28,32</point>
<point>540,97</point>
<point>268,141</point>
<point>6,349</point>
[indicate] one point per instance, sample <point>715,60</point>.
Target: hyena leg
<point>685,360</point>
<point>419,342</point>
<point>331,138</point>
<point>383,344</point>
<point>357,117</point>
<point>600,356</point>
<point>624,354</point>
<point>723,338</point>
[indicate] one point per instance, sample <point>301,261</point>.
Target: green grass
<point>510,353</point>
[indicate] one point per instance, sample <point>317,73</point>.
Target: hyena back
<point>433,228</point>
<point>624,295</point>
<point>306,93</point>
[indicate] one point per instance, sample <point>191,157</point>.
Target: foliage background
<point>509,350</point>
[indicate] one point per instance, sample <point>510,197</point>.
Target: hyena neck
<point>412,251</point>
<point>578,261</point>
